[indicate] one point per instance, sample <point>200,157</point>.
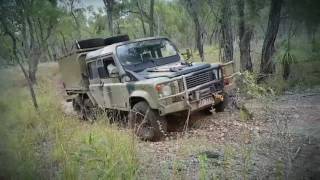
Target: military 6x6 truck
<point>147,78</point>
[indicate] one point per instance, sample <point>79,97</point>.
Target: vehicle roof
<point>110,48</point>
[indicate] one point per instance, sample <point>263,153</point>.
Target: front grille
<point>198,79</point>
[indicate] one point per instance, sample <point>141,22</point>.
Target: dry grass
<point>50,144</point>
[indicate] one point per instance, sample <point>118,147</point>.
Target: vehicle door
<point>96,85</point>
<point>115,93</point>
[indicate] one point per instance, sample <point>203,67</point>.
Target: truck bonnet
<point>171,70</point>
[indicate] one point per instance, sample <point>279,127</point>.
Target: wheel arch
<point>139,95</point>
<point>87,95</point>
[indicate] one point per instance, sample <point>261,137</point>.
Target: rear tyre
<point>84,108</point>
<point>146,122</point>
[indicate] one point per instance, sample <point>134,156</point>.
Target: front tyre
<point>146,122</point>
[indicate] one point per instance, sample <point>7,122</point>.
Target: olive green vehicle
<point>147,78</point>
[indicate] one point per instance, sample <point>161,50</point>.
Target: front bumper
<point>193,98</point>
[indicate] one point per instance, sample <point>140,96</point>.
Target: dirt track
<point>285,129</point>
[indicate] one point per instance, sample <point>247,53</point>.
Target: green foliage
<point>247,83</point>
<point>287,58</point>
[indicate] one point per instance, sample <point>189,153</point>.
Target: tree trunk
<point>227,37</point>
<point>109,6</point>
<point>151,20</point>
<point>141,18</point>
<point>245,35</point>
<point>198,30</point>
<point>75,18</point>
<point>33,54</point>
<point>33,61</point>
<point>267,66</point>
<point>286,70</point>
<point>198,37</point>
<point>30,85</point>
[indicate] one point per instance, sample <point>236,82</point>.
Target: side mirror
<point>113,70</point>
<point>102,72</point>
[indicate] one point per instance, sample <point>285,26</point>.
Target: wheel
<point>91,43</point>
<point>146,122</point>
<point>222,105</point>
<point>88,110</point>
<point>84,108</point>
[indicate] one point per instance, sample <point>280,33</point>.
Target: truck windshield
<point>143,54</point>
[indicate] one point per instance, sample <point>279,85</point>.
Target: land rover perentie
<point>147,78</point>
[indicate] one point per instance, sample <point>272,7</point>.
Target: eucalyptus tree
<point>193,8</point>
<point>248,14</point>
<point>226,30</point>
<point>145,10</point>
<point>267,65</point>
<point>28,24</point>
<point>245,35</point>
<point>113,10</point>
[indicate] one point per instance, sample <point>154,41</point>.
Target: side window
<point>93,71</point>
<point>101,69</point>
<point>108,62</point>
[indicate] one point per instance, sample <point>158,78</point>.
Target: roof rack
<point>100,42</point>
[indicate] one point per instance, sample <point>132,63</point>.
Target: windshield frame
<point>149,64</point>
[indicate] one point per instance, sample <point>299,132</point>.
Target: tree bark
<point>30,85</point>
<point>198,36</point>
<point>109,7</point>
<point>198,29</point>
<point>245,35</point>
<point>34,53</point>
<point>33,64</point>
<point>151,18</point>
<point>227,37</point>
<point>267,65</point>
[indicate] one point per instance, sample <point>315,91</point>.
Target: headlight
<point>167,89</point>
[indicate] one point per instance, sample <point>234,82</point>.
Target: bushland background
<point>270,129</point>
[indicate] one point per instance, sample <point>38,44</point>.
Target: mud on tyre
<point>146,122</point>
<point>84,108</point>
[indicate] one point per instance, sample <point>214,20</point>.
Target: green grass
<point>50,144</point>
